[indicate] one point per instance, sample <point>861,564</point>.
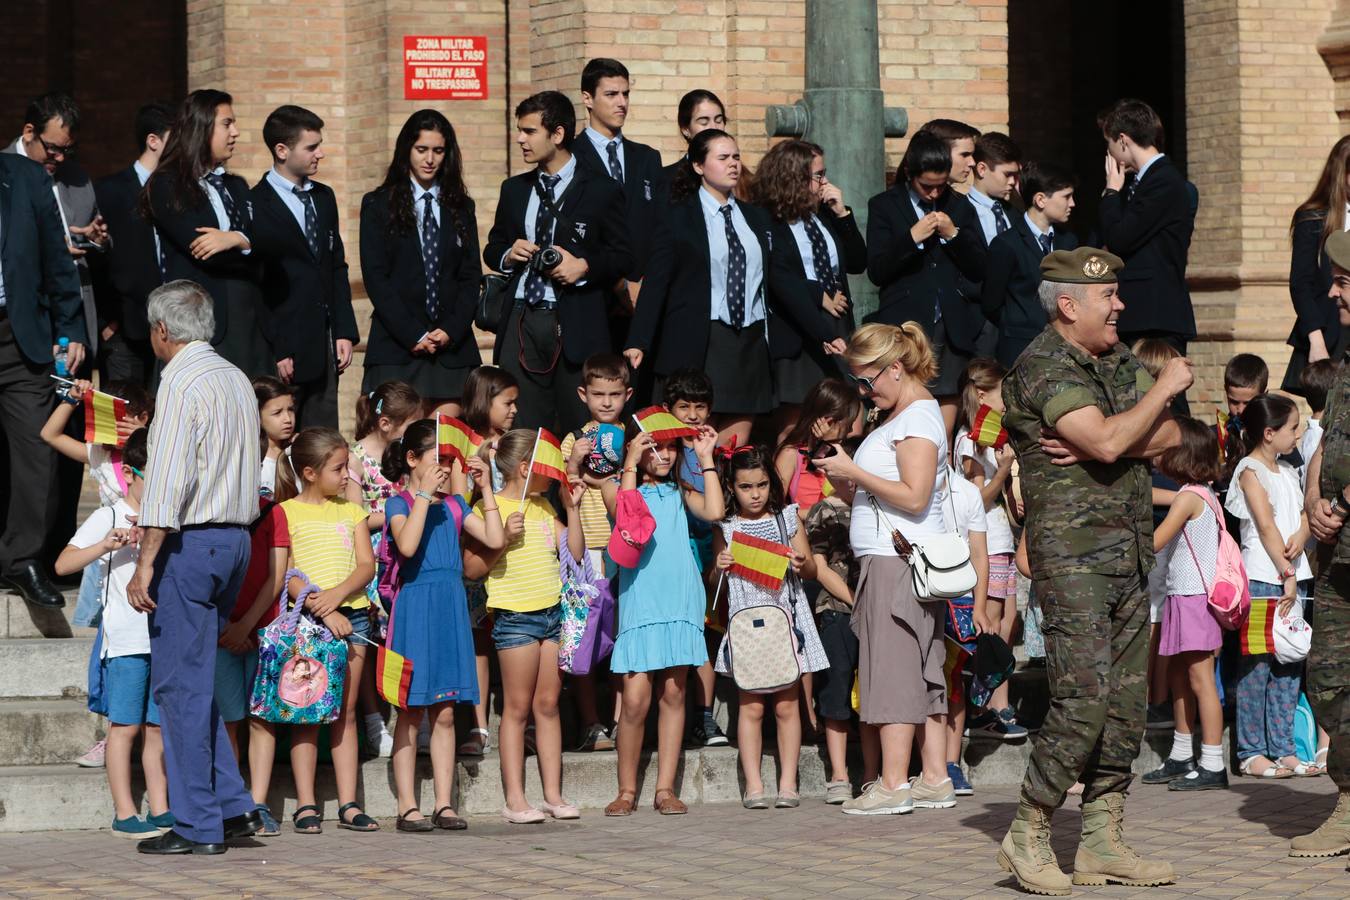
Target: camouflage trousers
<point>1096,649</point>
<point>1328,678</point>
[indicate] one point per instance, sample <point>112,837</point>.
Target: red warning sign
<point>444,68</point>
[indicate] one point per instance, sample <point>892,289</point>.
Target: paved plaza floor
<point>1222,843</point>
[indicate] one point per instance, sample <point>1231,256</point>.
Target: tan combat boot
<point>1103,856</point>
<point>1027,854</point>
<point>1331,838</point>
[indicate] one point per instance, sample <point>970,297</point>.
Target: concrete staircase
<point>44,725</point>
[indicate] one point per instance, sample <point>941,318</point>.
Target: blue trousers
<point>197,578</point>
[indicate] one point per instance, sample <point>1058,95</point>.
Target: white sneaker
<point>877,800</point>
<point>93,757</point>
<point>378,737</point>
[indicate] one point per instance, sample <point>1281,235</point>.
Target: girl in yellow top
<point>330,543</point>
<point>523,588</point>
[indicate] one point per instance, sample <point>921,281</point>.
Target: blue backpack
<point>1305,730</point>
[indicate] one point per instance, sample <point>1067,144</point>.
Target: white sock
<point>1211,757</point>
<point>1183,748</point>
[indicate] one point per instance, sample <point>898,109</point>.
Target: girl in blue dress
<point>429,622</point>
<point>661,605</point>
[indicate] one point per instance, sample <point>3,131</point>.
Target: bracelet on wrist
<point>425,496</point>
<point>710,469</point>
<point>488,509</point>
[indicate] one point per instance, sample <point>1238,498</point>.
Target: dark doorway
<point>1068,60</point>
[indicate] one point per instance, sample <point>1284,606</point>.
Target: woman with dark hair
<point>1317,329</point>
<point>824,246</point>
<point>705,300</point>
<point>203,220</point>
<point>920,242</point>
<point>698,111</point>
<point>419,259</point>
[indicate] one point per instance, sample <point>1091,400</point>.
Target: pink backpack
<point>388,580</point>
<point>1230,597</point>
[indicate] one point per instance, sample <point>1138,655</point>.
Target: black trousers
<point>531,350</point>
<point>123,359</point>
<point>316,402</point>
<point>29,497</point>
<point>1180,405</point>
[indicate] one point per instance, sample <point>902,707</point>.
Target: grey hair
<point>1050,291</point>
<point>184,308</point>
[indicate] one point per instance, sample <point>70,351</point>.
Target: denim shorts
<point>360,620</point>
<point>517,629</point>
<point>126,688</point>
<point>234,682</point>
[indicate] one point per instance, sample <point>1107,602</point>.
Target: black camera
<point>545,260</point>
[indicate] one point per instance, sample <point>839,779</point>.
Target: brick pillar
<point>1260,120</point>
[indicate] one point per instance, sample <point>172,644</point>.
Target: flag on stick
<point>662,425</point>
<point>393,676</point>
<point>987,430</point>
<point>547,460</point>
<point>763,562</point>
<point>102,412</point>
<point>455,440</point>
<point>1258,632</point>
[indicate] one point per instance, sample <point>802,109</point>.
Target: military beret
<point>1338,249</point>
<point>1086,265</point>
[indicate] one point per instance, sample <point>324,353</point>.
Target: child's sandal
<point>623,805</point>
<point>667,804</point>
<point>358,822</point>
<point>445,819</point>
<point>307,824</point>
<point>477,744</point>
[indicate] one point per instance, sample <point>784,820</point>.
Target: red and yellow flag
<point>1258,632</point>
<point>987,430</point>
<point>393,676</point>
<point>102,412</point>
<point>763,562</point>
<point>548,459</point>
<point>455,440</point>
<point>662,425</point>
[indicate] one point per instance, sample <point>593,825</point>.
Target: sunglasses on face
<point>57,149</point>
<point>866,384</point>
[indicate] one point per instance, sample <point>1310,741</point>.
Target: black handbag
<point>494,300</point>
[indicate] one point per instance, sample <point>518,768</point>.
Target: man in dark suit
<point>132,262</point>
<point>295,234</point>
<point>1147,216</point>
<point>39,304</point>
<point>1012,275</point>
<point>558,317</point>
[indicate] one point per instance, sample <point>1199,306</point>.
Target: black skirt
<point>430,379</point>
<point>794,378</point>
<point>738,364</point>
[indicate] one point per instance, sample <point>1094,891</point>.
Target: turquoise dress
<point>429,622</point>
<point>661,601</point>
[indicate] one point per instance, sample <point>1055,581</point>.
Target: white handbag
<point>939,563</point>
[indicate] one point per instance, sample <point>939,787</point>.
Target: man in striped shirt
<point>201,491</point>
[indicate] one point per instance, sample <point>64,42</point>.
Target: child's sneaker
<point>93,757</point>
<point>135,828</point>
<point>959,783</point>
<point>378,738</point>
<point>595,738</point>
<point>837,792</point>
<point>164,821</point>
<point>707,734</point>
<point>1001,725</point>
<point>270,827</point>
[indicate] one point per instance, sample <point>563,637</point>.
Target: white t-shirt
<point>1000,535</point>
<point>969,507</point>
<point>267,477</point>
<point>1286,497</point>
<point>1307,446</point>
<point>921,419</point>
<point>105,465</point>
<point>125,631</point>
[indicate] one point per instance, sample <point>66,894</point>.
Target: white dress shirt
<point>601,144</point>
<point>285,190</point>
<point>719,253</point>
<point>218,205</point>
<point>531,213</point>
<point>984,212</point>
<point>804,246</point>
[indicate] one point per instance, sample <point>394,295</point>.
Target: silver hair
<point>1050,292</point>
<point>185,309</point>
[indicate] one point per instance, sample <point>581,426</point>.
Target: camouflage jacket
<point>827,529</point>
<point>1090,517</point>
<point>1336,451</point>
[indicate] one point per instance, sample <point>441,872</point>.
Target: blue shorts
<point>518,629</point>
<point>234,682</point>
<point>126,688</point>
<point>360,619</point>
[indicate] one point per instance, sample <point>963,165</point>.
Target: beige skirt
<point>900,652</point>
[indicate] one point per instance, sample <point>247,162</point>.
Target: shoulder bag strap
<point>558,217</point>
<point>1199,571</point>
<point>903,546</point>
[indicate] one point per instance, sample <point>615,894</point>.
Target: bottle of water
<point>62,354</point>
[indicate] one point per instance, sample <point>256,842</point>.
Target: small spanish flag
<point>548,459</point>
<point>662,425</point>
<point>1258,632</point>
<point>393,676</point>
<point>987,430</point>
<point>454,440</point>
<point>102,412</point>
<point>763,562</point>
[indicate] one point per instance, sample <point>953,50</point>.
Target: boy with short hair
<point>689,397</point>
<point>961,138</point>
<point>998,164</point>
<point>1245,377</point>
<point>1314,382</point>
<point>605,390</point>
<point>125,659</point>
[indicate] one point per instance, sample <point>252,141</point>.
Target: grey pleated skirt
<point>900,651</point>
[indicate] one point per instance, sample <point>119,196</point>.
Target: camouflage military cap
<point>1086,265</point>
<point>1338,249</point>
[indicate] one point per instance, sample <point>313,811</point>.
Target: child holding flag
<point>524,589</point>
<point>757,510</point>
<point>429,621</point>
<point>661,602</point>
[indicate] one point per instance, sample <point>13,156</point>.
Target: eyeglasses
<point>57,149</point>
<point>137,472</point>
<point>866,384</point>
<point>820,177</point>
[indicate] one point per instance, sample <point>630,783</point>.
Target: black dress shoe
<point>1170,769</point>
<point>244,825</point>
<point>29,582</point>
<point>171,842</point>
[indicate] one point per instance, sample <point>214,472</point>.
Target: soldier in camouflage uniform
<point>1328,507</point>
<point>1085,418</point>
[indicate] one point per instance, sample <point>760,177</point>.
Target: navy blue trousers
<point>197,577</point>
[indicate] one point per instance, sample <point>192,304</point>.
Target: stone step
<point>44,667</point>
<point>41,732</point>
<point>18,619</point>
<point>65,797</point>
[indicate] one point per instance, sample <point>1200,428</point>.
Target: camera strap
<point>558,217</point>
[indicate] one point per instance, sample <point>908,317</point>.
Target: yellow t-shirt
<point>323,542</point>
<point>594,517</point>
<point>525,577</point>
